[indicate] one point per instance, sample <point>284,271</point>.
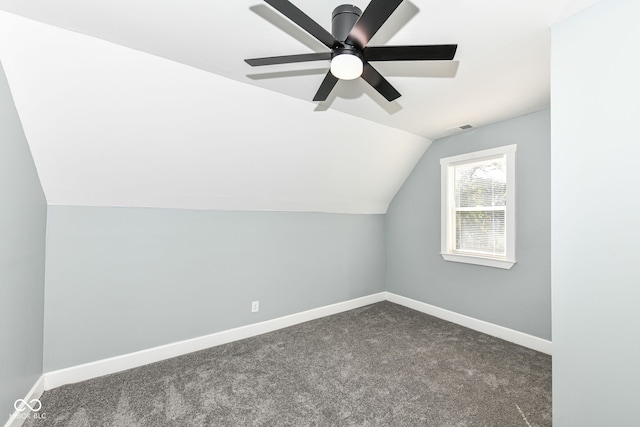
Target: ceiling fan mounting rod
<point>343,19</point>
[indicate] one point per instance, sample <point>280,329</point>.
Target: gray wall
<point>519,298</point>
<point>22,243</point>
<point>125,279</point>
<point>595,206</point>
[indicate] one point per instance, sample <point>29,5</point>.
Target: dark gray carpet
<point>380,365</point>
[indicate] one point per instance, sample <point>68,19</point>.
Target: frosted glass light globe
<point>346,66</point>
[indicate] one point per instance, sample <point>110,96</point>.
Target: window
<point>478,207</point>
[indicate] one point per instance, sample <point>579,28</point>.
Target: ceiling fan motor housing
<point>343,19</point>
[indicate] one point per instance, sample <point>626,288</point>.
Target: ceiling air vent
<point>460,128</point>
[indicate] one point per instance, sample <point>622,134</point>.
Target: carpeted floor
<point>380,365</point>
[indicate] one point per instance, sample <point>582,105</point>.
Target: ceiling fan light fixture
<point>348,41</point>
<point>346,66</point>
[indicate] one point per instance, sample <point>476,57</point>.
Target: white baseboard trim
<point>144,357</point>
<point>133,360</point>
<point>18,418</point>
<point>511,335</point>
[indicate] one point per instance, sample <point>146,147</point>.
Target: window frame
<point>448,217</point>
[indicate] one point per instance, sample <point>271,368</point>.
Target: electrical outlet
<point>255,306</point>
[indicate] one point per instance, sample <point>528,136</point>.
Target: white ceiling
<point>169,115</point>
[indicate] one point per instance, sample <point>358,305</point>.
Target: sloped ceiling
<point>149,103</point>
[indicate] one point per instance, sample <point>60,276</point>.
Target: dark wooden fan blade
<point>288,59</point>
<point>410,53</point>
<point>325,88</point>
<point>375,79</point>
<point>371,20</point>
<point>303,21</point>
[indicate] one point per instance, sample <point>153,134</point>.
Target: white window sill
<point>488,262</point>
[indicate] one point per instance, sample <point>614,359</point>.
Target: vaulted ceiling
<point>149,103</point>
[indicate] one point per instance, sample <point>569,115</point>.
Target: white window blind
<point>480,190</point>
<point>478,205</point>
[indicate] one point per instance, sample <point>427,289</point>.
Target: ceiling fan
<point>351,30</point>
